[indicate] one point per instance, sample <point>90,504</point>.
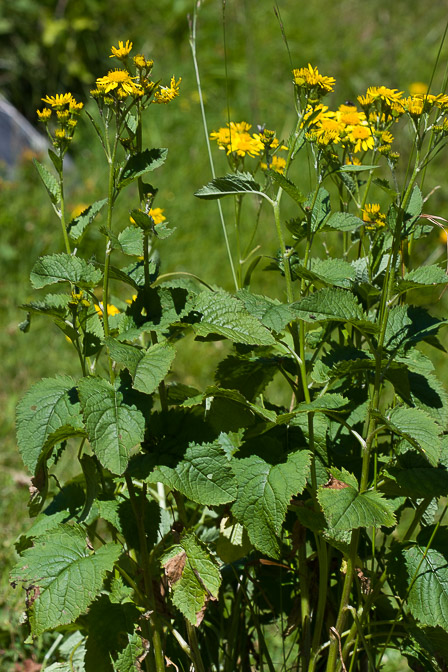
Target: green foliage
<point>308,470</point>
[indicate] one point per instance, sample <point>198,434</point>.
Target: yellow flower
<point>59,100</point>
<point>111,309</point>
<point>372,216</point>
<point>60,133</point>
<point>413,105</point>
<point>278,163</point>
<point>134,296</point>
<point>122,50</point>
<point>361,137</point>
<point>157,215</point>
<point>328,130</point>
<point>44,115</point>
<point>237,139</point>
<point>75,107</point>
<point>310,78</point>
<point>117,79</point>
<point>165,94</point>
<point>385,94</point>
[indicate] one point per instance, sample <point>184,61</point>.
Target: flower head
<point>310,78</point>
<point>278,163</point>
<point>361,137</point>
<point>372,216</point>
<point>236,139</point>
<point>59,100</point>
<point>166,94</point>
<point>157,215</point>
<point>44,115</point>
<point>119,81</point>
<point>122,51</point>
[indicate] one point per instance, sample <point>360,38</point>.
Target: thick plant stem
<point>138,510</point>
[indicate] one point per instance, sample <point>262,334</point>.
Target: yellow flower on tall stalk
<point>309,78</point>
<point>278,163</point>
<point>372,216</point>
<point>111,309</point>
<point>361,137</point>
<point>122,51</point>
<point>166,94</point>
<point>236,139</point>
<point>118,81</point>
<point>414,105</point>
<point>59,100</point>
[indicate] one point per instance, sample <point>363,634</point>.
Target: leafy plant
<point>302,487</point>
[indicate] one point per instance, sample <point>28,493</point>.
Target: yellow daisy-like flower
<point>111,309</point>
<point>372,216</point>
<point>44,115</point>
<point>328,130</point>
<point>122,50</point>
<point>59,100</point>
<point>413,105</point>
<point>278,163</point>
<point>385,94</point>
<point>166,94</point>
<point>349,115</point>
<point>60,133</point>
<point>237,139</point>
<point>117,79</point>
<point>361,137</point>
<point>157,215</point>
<point>74,107</point>
<point>310,78</point>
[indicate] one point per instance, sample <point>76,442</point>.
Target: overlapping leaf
<point>47,414</point>
<point>67,575</point>
<point>418,428</point>
<point>428,594</point>
<point>55,268</point>
<point>231,184</point>
<point>114,428</point>
<point>264,492</point>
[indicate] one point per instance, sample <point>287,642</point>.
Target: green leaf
<point>47,414</point>
<point>408,325</point>
<point>248,374</point>
<point>347,509</point>
<point>420,482</point>
<point>343,221</point>
<point>153,367</point>
<point>79,224</point>
<point>287,186</point>
<point>327,271</point>
<point>230,184</point>
<point>127,660</point>
<point>141,163</point>
<point>114,428</point>
<point>273,314</point>
<point>66,573</point>
<point>225,315</point>
<point>56,268</point>
<point>193,576</point>
<point>352,168</point>
<point>418,428</point>
<point>332,304</point>
<point>204,475</point>
<point>321,208</point>
<point>54,305</point>
<point>50,182</point>
<point>264,493</point>
<point>428,595</point>
<point>414,207</point>
<point>425,276</point>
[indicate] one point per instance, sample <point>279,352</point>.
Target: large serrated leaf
<point>128,659</point>
<point>408,325</point>
<point>343,221</point>
<point>230,184</point>
<point>54,305</point>
<point>50,182</point>
<point>131,241</point>
<point>273,314</point>
<point>287,185</point>
<point>56,268</point>
<point>47,414</point>
<point>264,492</point>
<point>328,304</point>
<point>225,315</point>
<point>327,272</point>
<point>193,576</point>
<point>147,367</point>
<point>428,595</point>
<point>347,509</point>
<point>418,428</point>
<point>204,475</point>
<point>79,224</point>
<point>67,575</point>
<point>425,276</point>
<point>114,428</point>
<point>141,163</point>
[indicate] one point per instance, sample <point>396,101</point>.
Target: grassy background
<point>245,71</point>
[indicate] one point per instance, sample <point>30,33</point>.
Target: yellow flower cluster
<point>310,80</point>
<point>133,79</point>
<point>347,126</point>
<point>237,141</point>
<point>372,216</point>
<point>63,109</point>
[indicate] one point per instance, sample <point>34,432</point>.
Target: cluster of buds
<point>60,119</point>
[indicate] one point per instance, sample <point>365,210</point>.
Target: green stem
<point>304,600</point>
<point>138,510</point>
<point>62,213</point>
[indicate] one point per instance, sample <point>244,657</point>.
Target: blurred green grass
<point>245,72</point>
